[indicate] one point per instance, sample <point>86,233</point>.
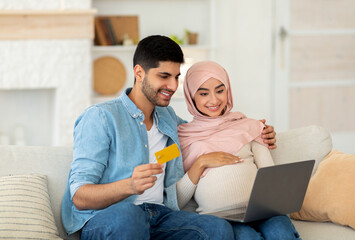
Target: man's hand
<point>143,177</point>
<point>99,196</point>
<point>268,135</point>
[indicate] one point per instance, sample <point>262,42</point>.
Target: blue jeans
<point>151,221</point>
<point>275,228</point>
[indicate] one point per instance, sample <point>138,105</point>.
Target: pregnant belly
<point>225,187</point>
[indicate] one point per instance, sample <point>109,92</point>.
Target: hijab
<point>228,132</point>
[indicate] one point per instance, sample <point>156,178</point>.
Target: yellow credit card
<point>167,154</point>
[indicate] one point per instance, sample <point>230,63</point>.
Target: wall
<point>246,46</point>
<point>243,41</point>
<point>61,66</point>
<point>315,74</point>
<point>174,17</point>
<point>243,47</point>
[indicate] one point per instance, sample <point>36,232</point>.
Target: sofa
<point>52,165</point>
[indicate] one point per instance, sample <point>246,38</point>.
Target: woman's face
<point>211,98</point>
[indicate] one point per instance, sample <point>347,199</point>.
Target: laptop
<point>277,190</point>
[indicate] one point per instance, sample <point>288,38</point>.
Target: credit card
<point>167,154</point>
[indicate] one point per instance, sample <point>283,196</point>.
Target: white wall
<point>244,46</point>
<point>59,68</point>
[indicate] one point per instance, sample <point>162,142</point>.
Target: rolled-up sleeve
<point>91,149</point>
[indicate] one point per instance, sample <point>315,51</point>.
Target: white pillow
<point>25,209</point>
<point>311,142</point>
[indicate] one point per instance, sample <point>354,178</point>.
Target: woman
<point>215,130</point>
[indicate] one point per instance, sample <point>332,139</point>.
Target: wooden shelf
<point>120,48</point>
<point>203,23</point>
<point>46,24</point>
<point>48,12</point>
<point>117,48</point>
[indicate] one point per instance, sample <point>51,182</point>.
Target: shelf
<point>112,49</point>
<point>46,24</point>
<point>171,22</point>
<point>47,12</point>
<point>119,48</point>
<point>197,47</point>
<point>175,16</point>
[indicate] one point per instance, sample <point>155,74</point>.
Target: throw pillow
<point>25,209</point>
<point>331,192</point>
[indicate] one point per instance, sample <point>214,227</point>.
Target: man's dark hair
<point>154,49</point>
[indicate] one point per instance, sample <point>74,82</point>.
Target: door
<point>314,67</point>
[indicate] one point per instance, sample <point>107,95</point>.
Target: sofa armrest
<point>312,142</point>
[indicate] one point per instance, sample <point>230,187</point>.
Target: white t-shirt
<point>157,141</point>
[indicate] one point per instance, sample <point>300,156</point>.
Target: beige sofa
<point>311,142</point>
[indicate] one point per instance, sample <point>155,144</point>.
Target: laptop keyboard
<point>237,216</point>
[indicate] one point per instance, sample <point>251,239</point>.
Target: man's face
<point>159,84</point>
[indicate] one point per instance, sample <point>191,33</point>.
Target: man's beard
<point>152,94</point>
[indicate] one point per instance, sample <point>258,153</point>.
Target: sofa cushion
<point>25,209</point>
<point>323,231</point>
<point>311,142</point>
<point>331,192</point>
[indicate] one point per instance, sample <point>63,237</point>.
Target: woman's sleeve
<point>262,155</point>
<point>185,190</point>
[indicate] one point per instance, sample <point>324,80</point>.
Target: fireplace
<point>27,117</point>
<point>44,81</point>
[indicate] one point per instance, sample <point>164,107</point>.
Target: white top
<point>230,186</point>
<point>157,141</point>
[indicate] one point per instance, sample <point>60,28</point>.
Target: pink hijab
<point>227,133</point>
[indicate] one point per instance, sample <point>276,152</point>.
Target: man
<point>116,190</point>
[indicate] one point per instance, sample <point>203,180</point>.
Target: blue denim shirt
<point>110,140</point>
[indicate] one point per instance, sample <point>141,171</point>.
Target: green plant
<point>176,39</point>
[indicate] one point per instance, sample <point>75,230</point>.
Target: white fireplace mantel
<point>46,24</point>
<point>35,56</point>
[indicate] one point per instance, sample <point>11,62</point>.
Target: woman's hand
<point>217,159</point>
<point>268,135</point>
<point>210,160</point>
